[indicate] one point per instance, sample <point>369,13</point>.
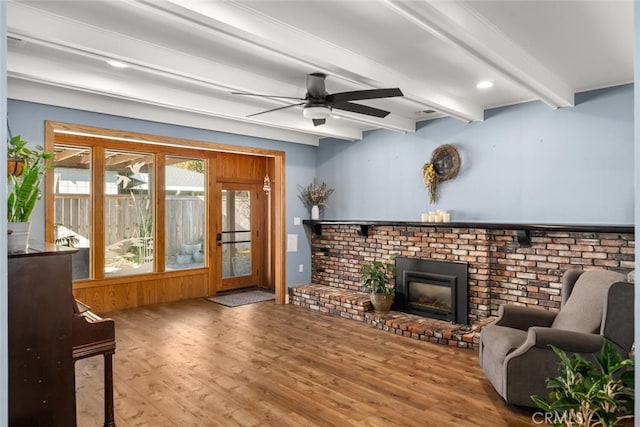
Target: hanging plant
<point>24,188</point>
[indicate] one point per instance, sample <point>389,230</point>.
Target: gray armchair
<point>514,350</point>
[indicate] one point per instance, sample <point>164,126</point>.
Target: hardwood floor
<point>197,363</point>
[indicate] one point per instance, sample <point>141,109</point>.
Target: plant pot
<point>188,249</point>
<point>15,166</point>
<point>18,236</point>
<point>315,212</point>
<point>382,302</point>
<point>198,256</point>
<point>184,259</point>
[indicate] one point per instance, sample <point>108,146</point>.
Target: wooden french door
<point>240,238</point>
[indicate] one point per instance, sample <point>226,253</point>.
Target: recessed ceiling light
<point>117,64</point>
<point>484,84</point>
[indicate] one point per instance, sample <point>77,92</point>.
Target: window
<point>184,213</point>
<point>128,213</point>
<point>72,210</point>
<point>109,196</point>
<point>236,233</point>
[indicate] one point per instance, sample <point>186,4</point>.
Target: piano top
<point>43,249</point>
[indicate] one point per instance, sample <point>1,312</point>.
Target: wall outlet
<point>297,220</point>
<point>300,268</point>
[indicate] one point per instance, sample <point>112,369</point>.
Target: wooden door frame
<point>277,226</point>
<point>275,272</point>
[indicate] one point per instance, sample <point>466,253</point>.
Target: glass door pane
<point>236,233</point>
<point>72,206</point>
<point>185,195</point>
<point>128,213</point>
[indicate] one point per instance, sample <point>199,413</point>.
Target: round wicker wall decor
<point>444,165</point>
<point>446,162</point>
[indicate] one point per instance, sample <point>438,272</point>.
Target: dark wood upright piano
<point>48,331</point>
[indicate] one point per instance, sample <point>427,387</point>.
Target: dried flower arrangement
<point>430,181</point>
<point>314,194</point>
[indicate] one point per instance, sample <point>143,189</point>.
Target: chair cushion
<point>583,310</point>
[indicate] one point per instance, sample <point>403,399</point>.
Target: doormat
<point>242,298</point>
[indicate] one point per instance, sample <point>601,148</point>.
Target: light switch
<point>292,243</point>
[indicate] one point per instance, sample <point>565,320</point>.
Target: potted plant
<point>375,279</point>
<point>24,190</point>
<point>590,394</point>
<point>314,196</point>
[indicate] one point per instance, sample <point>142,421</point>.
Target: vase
<point>18,236</point>
<point>382,302</point>
<point>315,212</point>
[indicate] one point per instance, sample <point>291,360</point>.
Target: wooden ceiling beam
<point>458,24</point>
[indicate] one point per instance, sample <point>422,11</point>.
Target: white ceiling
<point>187,56</point>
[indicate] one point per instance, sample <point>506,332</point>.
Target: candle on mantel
<point>435,216</point>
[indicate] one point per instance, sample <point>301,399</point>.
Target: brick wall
<point>500,269</point>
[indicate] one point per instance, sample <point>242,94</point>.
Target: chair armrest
<point>569,341</point>
<point>521,317</point>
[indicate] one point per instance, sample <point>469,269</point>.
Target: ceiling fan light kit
<point>316,112</point>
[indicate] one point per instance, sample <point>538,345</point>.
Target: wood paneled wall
<point>115,295</point>
<point>239,167</point>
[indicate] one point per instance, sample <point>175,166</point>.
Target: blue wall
<point>523,163</point>
<point>27,119</point>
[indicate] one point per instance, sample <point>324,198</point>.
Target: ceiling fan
<point>317,103</point>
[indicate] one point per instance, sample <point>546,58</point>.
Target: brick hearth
<point>502,268</point>
<point>356,305</point>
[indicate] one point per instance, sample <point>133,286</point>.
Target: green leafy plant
<point>590,394</point>
<point>375,276</point>
<point>24,190</point>
<point>65,237</point>
<point>140,249</point>
<point>314,194</point>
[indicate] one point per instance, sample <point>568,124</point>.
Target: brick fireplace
<point>506,263</point>
<point>502,266</point>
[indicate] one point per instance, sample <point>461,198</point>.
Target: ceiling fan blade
<point>267,96</point>
<point>319,122</point>
<point>315,85</point>
<point>357,95</point>
<point>361,109</point>
<point>275,109</point>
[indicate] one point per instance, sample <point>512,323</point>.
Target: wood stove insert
<point>436,289</point>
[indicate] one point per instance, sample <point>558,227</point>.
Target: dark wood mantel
<point>523,230</point>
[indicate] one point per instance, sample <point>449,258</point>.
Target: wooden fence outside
<point>127,218</point>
